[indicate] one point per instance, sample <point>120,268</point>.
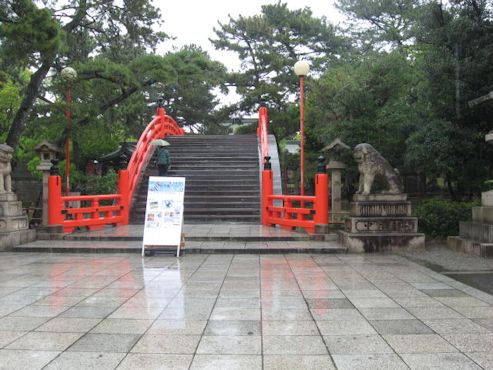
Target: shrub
<point>439,218</point>
<point>106,184</point>
<point>246,129</point>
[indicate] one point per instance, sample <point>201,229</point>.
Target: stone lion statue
<point>5,168</point>
<point>372,164</point>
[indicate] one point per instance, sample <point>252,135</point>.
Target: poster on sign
<point>163,221</point>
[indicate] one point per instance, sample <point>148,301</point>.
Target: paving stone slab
<point>105,343</point>
<point>419,343</point>
<point>239,362</point>
<point>230,345</point>
<point>400,327</point>
<point>356,344</point>
<point>296,362</point>
<point>439,361</point>
<point>369,362</point>
<point>233,327</point>
<point>24,359</point>
<point>293,345</point>
<point>155,361</point>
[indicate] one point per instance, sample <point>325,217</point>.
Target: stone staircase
<point>222,178</point>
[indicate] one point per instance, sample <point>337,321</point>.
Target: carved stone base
<point>11,215</point>
<point>382,242</point>
<point>10,208</point>
<point>381,222</point>
<point>381,209</point>
<point>13,223</point>
<point>382,225</point>
<point>14,238</point>
<point>379,197</point>
<point>4,197</point>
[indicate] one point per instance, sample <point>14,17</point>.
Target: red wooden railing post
<point>123,190</point>
<point>267,190</point>
<point>55,203</point>
<point>321,205</point>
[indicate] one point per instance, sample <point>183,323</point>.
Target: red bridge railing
<point>96,211</point>
<point>304,211</point>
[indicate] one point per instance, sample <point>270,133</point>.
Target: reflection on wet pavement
<point>224,311</point>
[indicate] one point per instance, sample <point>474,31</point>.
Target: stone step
<point>223,245</point>
<point>200,159</point>
<point>215,219</point>
<point>209,166</point>
<point>244,184</point>
<point>211,210</point>
<point>222,178</point>
<point>191,205</point>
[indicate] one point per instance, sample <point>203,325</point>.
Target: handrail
<point>161,126</point>
<point>96,215</point>
<point>262,132</point>
<point>312,213</point>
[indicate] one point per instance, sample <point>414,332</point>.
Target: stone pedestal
<point>335,171</point>
<point>476,236</point>
<point>14,226</point>
<point>381,222</point>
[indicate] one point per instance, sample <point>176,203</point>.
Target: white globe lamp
<point>301,68</point>
<point>69,75</point>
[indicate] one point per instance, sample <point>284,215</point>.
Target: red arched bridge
<point>288,211</point>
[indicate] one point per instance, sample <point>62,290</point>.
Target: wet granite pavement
<point>238,311</point>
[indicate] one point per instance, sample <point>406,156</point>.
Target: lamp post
<point>69,75</point>
<point>301,68</point>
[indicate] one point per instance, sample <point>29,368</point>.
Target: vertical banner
<point>163,221</point>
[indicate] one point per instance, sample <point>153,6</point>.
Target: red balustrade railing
<point>262,132</point>
<point>303,211</point>
<point>96,211</point>
<point>161,126</point>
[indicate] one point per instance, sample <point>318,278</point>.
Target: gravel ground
<point>448,260</point>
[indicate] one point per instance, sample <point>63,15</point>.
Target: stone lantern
<point>47,153</point>
<point>335,166</point>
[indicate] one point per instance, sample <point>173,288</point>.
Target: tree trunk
<point>27,103</point>
<point>451,191</point>
<point>457,82</point>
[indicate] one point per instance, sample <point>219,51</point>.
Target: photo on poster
<point>153,205</point>
<point>177,215</point>
<point>167,203</point>
<point>153,220</point>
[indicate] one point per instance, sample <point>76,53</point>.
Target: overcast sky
<point>192,21</point>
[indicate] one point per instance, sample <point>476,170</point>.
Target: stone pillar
<point>335,172</point>
<point>335,151</point>
<point>47,153</point>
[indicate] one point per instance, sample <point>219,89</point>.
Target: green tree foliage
<point>406,87</point>
<point>268,45</point>
<point>190,97</point>
<point>112,46</point>
<point>377,23</point>
<point>368,101</point>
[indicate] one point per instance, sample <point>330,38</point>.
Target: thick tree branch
<point>126,94</point>
<point>27,103</point>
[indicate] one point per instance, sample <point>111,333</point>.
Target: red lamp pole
<point>69,75</point>
<point>301,68</point>
<point>67,141</point>
<point>302,136</point>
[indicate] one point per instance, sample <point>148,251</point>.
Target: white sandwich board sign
<point>164,213</point>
